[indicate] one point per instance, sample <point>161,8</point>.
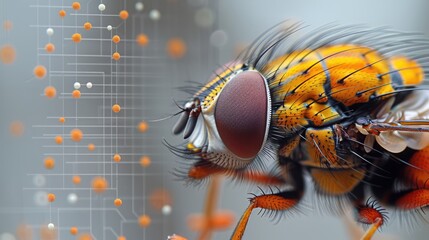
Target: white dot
<point>39,180</point>
<point>166,210</point>
<point>204,17</point>
<point>101,7</point>
<point>51,226</point>
<point>50,31</point>
<point>89,84</point>
<point>76,85</point>
<point>155,15</point>
<point>7,236</point>
<point>218,38</point>
<point>109,27</point>
<point>72,198</point>
<point>139,6</point>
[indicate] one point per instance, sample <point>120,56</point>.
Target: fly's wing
<point>403,125</point>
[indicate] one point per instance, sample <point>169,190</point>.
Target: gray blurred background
<point>144,83</point>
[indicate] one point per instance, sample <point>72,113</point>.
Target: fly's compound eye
<point>188,118</point>
<point>242,114</point>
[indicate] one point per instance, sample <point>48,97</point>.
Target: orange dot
<point>144,221</point>
<point>87,26</point>
<point>116,39</point>
<point>74,230</point>
<point>50,92</point>
<point>143,126</point>
<point>122,238</point>
<point>7,25</point>
<point>49,47</point>
<point>116,56</point>
<point>142,39</point>
<point>62,13</point>
<point>24,232</point>
<point>117,202</point>
<point>61,120</point>
<point>16,128</point>
<point>76,37</point>
<point>85,236</point>
<point>176,48</point>
<point>49,163</point>
<point>76,94</point>
<point>160,197</point>
<point>59,139</point>
<point>223,220</point>
<point>219,221</point>
<point>76,135</point>
<point>99,184</point>
<point>76,179</point>
<point>76,5</point>
<point>117,158</point>
<point>39,71</point>
<point>7,54</point>
<point>145,161</point>
<point>116,108</point>
<point>91,147</point>
<point>123,14</point>
<point>51,197</point>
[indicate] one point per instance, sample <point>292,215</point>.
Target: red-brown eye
<point>241,114</point>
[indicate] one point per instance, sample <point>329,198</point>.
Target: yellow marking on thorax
<point>319,114</point>
<point>321,146</point>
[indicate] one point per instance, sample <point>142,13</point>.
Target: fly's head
<point>227,122</point>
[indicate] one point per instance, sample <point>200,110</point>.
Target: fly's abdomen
<point>318,87</point>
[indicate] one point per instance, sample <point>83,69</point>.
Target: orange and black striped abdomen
<point>316,87</point>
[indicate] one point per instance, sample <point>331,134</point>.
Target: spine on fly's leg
<point>273,202</point>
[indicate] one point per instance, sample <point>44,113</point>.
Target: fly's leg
<point>274,202</point>
<point>372,229</point>
<point>204,169</point>
<point>371,214</point>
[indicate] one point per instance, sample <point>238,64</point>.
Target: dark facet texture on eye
<point>241,114</point>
